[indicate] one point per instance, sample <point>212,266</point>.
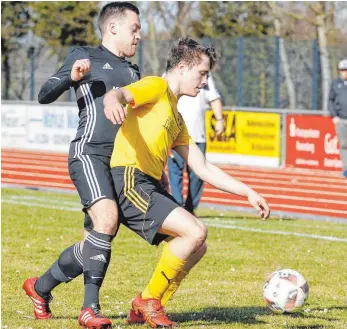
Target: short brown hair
<point>189,51</point>
<point>116,10</point>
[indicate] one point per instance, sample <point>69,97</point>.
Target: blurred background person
<point>193,110</point>
<point>338,110</point>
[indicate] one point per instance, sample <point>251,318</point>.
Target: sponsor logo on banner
<point>226,142</point>
<point>249,138</point>
<point>38,127</point>
<point>312,143</point>
<point>13,125</point>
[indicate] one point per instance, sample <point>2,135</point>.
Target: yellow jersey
<point>153,126</point>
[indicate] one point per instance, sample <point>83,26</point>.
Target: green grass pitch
<point>223,291</point>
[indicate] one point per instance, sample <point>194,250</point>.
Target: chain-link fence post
<point>277,73</point>
<point>31,55</point>
<point>315,75</point>
<point>240,71</point>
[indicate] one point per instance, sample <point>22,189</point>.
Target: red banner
<point>311,143</point>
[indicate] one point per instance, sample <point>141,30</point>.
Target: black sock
<point>68,266</point>
<point>96,257</point>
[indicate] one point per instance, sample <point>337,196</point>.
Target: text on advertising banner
<point>249,138</point>
<point>312,143</point>
<point>38,127</point>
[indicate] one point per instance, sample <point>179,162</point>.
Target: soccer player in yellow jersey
<point>151,126</point>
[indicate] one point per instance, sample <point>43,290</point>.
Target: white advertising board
<point>38,127</point>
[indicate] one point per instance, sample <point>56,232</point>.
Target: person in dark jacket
<point>338,110</point>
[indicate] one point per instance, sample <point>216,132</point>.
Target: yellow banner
<point>246,133</point>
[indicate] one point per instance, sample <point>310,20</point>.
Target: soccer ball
<point>285,291</point>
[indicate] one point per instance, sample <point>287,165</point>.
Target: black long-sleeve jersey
<point>95,134</point>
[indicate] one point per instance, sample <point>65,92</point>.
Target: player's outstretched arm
<point>221,180</point>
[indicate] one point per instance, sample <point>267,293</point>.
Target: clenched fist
<point>80,68</point>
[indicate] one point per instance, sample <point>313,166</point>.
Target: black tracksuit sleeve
<point>61,81</point>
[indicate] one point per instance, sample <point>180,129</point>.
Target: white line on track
<point>275,205</point>
<point>43,162</point>
<point>28,167</point>
<point>282,189</point>
<point>36,183</point>
<point>34,174</point>
<point>323,185</point>
<point>217,223</point>
<point>286,197</point>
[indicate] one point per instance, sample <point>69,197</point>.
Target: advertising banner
<point>250,138</point>
<point>13,125</point>
<point>311,143</point>
<point>37,127</point>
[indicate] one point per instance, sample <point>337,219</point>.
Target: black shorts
<point>93,180</point>
<point>143,203</point>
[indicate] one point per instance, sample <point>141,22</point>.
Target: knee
<point>200,235</point>
<point>105,218</point>
<point>108,225</point>
<point>203,249</point>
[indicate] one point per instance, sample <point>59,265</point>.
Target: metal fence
<point>250,73</point>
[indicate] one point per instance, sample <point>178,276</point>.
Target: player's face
<point>195,78</point>
<point>128,35</point>
<point>343,74</point>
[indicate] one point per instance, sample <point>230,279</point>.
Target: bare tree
<point>319,22</point>
<point>320,11</point>
<point>283,55</point>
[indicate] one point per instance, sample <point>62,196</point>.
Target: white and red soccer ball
<point>285,291</point>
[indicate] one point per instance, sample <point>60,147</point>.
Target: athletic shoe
<point>41,305</point>
<point>134,318</point>
<point>91,318</point>
<point>152,311</point>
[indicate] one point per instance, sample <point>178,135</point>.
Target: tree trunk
<point>153,40</point>
<point>7,77</point>
<point>286,67</point>
<point>324,57</point>
<point>284,58</point>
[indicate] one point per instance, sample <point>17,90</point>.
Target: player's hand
<point>79,69</point>
<point>336,120</point>
<point>116,113</point>
<point>259,203</point>
<point>219,127</point>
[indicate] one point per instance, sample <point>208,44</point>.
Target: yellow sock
<point>169,266</point>
<point>173,287</point>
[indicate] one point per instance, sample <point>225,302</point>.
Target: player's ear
<point>182,67</point>
<point>113,28</point>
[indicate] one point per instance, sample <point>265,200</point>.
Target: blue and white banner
<point>38,127</point>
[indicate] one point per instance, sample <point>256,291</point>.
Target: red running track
<point>288,191</point>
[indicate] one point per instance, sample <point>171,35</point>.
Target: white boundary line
<point>274,232</point>
<point>218,224</point>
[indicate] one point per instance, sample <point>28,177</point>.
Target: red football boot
<point>152,311</point>
<point>91,318</point>
<point>41,305</point>
<point>134,318</point>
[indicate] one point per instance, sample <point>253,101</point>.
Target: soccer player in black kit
<point>91,72</point>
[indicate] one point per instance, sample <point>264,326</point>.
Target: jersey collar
<point>111,53</point>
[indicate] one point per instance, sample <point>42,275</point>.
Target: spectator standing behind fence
<point>338,110</point>
<point>193,110</point>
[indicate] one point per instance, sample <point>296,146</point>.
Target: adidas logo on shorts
<point>107,67</point>
<point>100,258</point>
